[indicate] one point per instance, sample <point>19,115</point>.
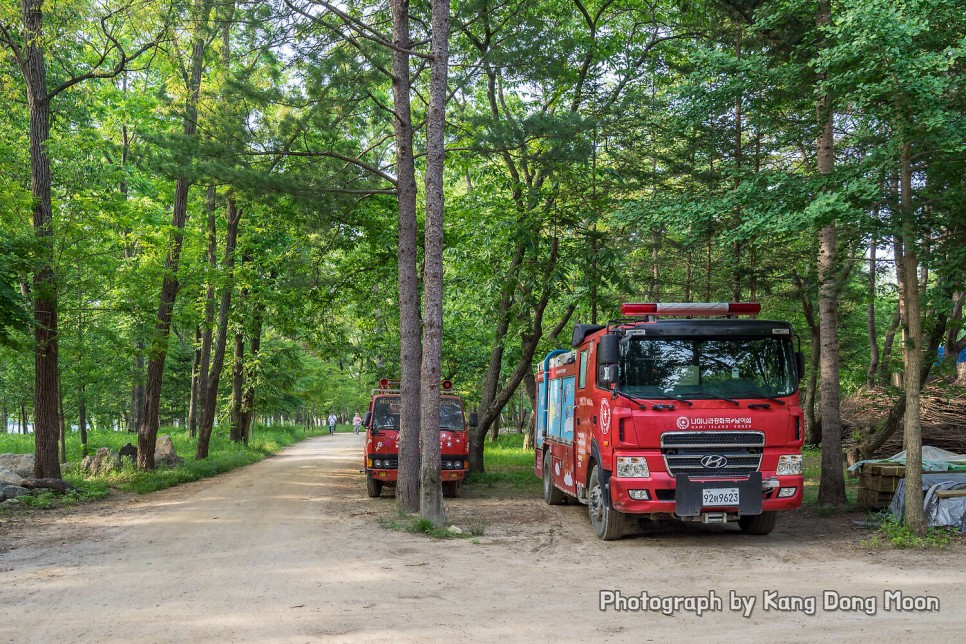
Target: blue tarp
<point>940,512</point>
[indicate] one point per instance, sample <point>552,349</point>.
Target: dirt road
<point>290,550</point>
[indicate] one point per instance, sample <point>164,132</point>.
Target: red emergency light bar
<point>386,383</point>
<point>643,309</point>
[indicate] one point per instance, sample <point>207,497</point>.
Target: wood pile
<point>943,418</point>
<point>878,483</point>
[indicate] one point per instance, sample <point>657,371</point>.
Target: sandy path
<point>290,550</point>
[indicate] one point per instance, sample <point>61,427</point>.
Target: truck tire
<point>373,487</point>
<point>452,489</point>
<point>607,522</point>
<point>758,524</point>
<point>551,493</point>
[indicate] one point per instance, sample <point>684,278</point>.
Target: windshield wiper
<point>753,394</point>
<point>708,393</point>
<point>649,399</point>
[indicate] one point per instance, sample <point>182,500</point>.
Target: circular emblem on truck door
<point>714,461</point>
<point>604,415</point>
<point>683,422</point>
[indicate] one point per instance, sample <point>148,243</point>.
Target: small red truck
<point>381,458</point>
<point>694,419</point>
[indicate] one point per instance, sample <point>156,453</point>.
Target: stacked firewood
<point>943,418</point>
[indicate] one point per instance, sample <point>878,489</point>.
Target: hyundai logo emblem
<point>714,461</point>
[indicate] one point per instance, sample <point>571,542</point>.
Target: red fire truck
<point>381,458</point>
<point>695,419</point>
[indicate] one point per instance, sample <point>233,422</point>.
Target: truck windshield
<point>385,413</point>
<point>708,367</point>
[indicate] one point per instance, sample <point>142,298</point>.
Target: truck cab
<point>687,418</point>
<point>381,454</point>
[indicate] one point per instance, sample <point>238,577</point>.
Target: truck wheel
<point>373,487</point>
<point>758,524</point>
<point>551,494</point>
<point>607,522</point>
<point>452,489</point>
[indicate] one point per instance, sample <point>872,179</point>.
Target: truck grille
<point>733,453</point>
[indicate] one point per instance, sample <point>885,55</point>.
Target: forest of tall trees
<point>230,209</point>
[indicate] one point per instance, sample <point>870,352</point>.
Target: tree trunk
<point>218,360</point>
<point>407,485</point>
<point>495,426</point>
<point>148,433</point>
<point>137,390</point>
<point>887,344</point>
<point>953,344</point>
<point>208,327</point>
<point>236,430</point>
<point>911,356</point>
<point>193,402</point>
<point>495,366</point>
<point>897,412</point>
<point>82,418</point>
<point>63,424</point>
<point>832,484</point>
<point>870,376</point>
<point>430,481</point>
<point>813,435</point>
<point>707,272</point>
<point>46,368</point>
<point>689,270</point>
<point>813,423</point>
<point>251,373</point>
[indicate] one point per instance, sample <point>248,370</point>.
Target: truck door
<point>561,414</point>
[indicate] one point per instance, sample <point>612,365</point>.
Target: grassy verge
<point>509,469</point>
<point>223,455</point>
<point>415,524</point>
<point>892,531</point>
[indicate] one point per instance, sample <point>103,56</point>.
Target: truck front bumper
<point>664,494</point>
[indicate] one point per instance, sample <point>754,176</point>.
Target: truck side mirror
<point>366,418</point>
<point>800,364</point>
<point>609,349</point>
<point>474,419</point>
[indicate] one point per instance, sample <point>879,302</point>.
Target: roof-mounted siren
<point>446,385</point>
<point>387,385</point>
<point>651,310</point>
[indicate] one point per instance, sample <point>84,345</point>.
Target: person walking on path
<point>356,423</point>
<point>332,420</point>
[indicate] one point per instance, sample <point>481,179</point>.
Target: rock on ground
<point>12,492</point>
<point>21,464</point>
<point>164,453</point>
<point>102,462</point>
<point>9,477</point>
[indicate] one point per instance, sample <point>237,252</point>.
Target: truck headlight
<point>632,467</point>
<point>789,464</point>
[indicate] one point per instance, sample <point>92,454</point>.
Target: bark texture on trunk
<point>911,355</point>
<point>193,402</point>
<point>47,423</point>
<point>236,431</point>
<point>430,482</point>
<point>870,376</point>
<point>251,373</point>
<point>158,351</point>
<point>832,485</point>
<point>224,310</point>
<point>410,353</point>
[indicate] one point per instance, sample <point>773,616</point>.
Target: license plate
<point>719,496</point>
